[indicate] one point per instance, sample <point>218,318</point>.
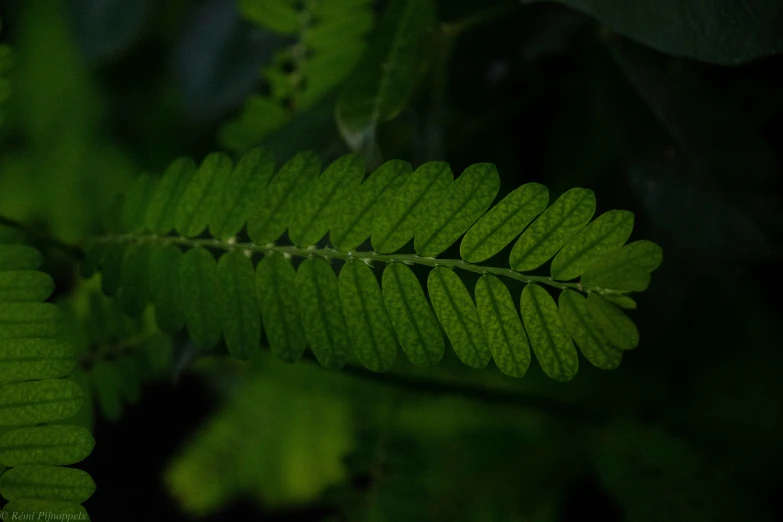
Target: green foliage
<point>353,316</point>
<point>329,41</point>
<point>728,33</point>
<point>33,391</point>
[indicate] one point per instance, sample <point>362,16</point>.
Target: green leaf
<point>19,257</point>
<point>277,15</point>
<point>459,317</point>
<point>19,320</point>
<point>553,229</point>
<point>198,204</point>
<point>32,507</point>
<point>548,336</point>
<point>466,200</point>
<point>93,250</point>
<point>623,301</point>
<point>397,222</point>
<point>242,191</point>
<point>729,32</point>
<point>199,280</point>
<point>47,482</point>
<point>585,330</point>
<point>25,286</point>
<point>613,322</point>
<point>602,237</point>
<point>500,320</point>
<point>386,77</point>
<point>162,211</point>
<point>275,209</point>
<point>238,305</point>
<point>275,277</point>
<point>322,313</point>
<point>354,223</point>
<point>25,359</point>
<point>134,212</point>
<point>417,329</point>
<point>316,210</point>
<point>166,288</point>
<point>135,284</point>
<point>505,221</point>
<point>39,401</point>
<point>369,326</point>
<point>49,445</point>
<point>626,269</point>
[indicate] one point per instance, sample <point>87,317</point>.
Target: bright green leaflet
<point>507,339</point>
<point>459,317</point>
<point>601,237</point>
<point>728,32</point>
<point>19,257</point>
<point>198,204</point>
<point>354,223</point>
<point>199,280</point>
<point>24,359</point>
<point>274,210</point>
<point>585,330</point>
<point>238,306</point>
<point>134,279</point>
<point>559,223</point>
<point>166,288</point>
<point>498,227</point>
<point>615,325</point>
<point>396,224</point>
<point>39,401</point>
<point>466,200</point>
<point>162,210</point>
<point>134,212</point>
<point>280,307</point>
<point>387,75</point>
<point>369,326</point>
<point>322,313</point>
<point>25,285</point>
<point>29,320</point>
<point>627,269</point>
<point>413,320</point>
<point>316,210</point>
<point>243,188</point>
<point>49,445</point>
<point>49,482</point>
<point>548,336</point>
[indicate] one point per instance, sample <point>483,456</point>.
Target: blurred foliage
<point>688,427</point>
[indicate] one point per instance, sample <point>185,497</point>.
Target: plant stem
<point>479,18</point>
<point>365,256</point>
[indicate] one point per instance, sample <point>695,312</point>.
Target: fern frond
<point>329,41</point>
<point>307,304</point>
<point>33,391</point>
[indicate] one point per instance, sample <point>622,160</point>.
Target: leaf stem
<point>366,256</point>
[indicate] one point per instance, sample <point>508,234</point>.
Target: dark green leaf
<point>239,313</point>
<point>199,203</point>
<point>369,326</point>
<point>466,200</point>
<point>39,401</point>
<point>135,285</point>
<point>322,312</point>
<point>500,320</point>
<point>626,269</point>
<point>106,383</point>
<point>134,212</point>
<point>199,280</point>
<point>459,317</point>
<point>19,257</point>
<point>25,359</point>
<point>162,210</point>
<point>18,320</point>
<point>25,285</point>
<point>588,335</point>
<point>46,482</point>
<point>49,445</point>
<point>166,288</point>
<point>548,335</point>
<point>613,322</point>
<point>505,221</point>
<point>275,279</point>
<point>417,329</point>
<point>111,268</point>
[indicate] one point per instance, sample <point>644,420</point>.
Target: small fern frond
<point>202,211</point>
<point>33,392</point>
<point>329,41</point>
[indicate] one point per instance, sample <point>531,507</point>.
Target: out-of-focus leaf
<point>108,28</point>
